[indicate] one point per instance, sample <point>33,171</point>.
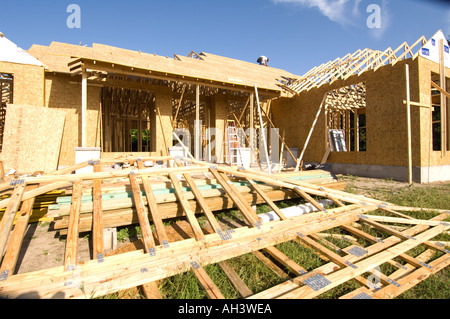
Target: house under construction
<point>96,138</point>
<point>131,102</point>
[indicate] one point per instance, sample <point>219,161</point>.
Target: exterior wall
<point>429,157</point>
<point>28,83</point>
<point>385,116</point>
<point>64,92</point>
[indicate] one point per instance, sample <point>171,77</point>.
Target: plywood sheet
<point>32,138</point>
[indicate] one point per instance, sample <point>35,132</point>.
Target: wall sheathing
<point>28,83</point>
<point>64,92</point>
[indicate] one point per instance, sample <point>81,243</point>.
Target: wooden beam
<point>154,212</point>
<point>187,208</point>
<point>266,150</point>
<point>197,127</point>
<point>84,102</point>
<point>147,235</point>
<point>202,202</point>
<point>408,123</point>
<point>237,282</point>
<point>443,85</point>
<point>210,287</point>
<point>97,218</point>
<point>71,253</point>
<point>266,198</point>
<point>8,217</point>
<point>15,242</point>
<point>236,197</point>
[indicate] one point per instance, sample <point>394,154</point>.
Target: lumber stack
<point>160,255</point>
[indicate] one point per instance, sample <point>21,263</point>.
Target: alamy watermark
<point>374,19</point>
<point>74,19</point>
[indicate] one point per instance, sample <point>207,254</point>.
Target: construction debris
<point>188,192</point>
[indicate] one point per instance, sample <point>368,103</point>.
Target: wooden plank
<point>266,198</point>
<point>147,235</point>
<point>9,216</point>
<point>187,208</point>
<point>237,282</point>
<point>97,218</point>
<point>211,289</point>
<point>236,197</point>
<point>408,125</point>
<point>12,253</point>
<point>71,253</point>
<point>311,200</point>
<point>286,261</point>
<point>202,202</point>
<point>443,82</point>
<point>271,265</point>
<point>384,228</point>
<point>154,212</point>
<point>151,290</point>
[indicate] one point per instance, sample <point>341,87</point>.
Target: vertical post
<point>408,119</point>
<point>83,108</point>
<point>269,164</point>
<point>252,126</point>
<point>443,99</point>
<point>197,141</point>
<point>139,127</point>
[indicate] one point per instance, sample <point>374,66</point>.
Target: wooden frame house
<point>391,109</point>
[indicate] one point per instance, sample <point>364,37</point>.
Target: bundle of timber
<point>188,189</point>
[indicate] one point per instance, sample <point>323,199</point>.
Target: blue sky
<point>295,34</point>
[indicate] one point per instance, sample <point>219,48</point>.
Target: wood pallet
<point>161,257</point>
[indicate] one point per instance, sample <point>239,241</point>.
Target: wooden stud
<point>15,242</point>
<point>311,200</point>
<point>443,85</point>
<point>237,282</point>
<point>211,289</point>
<point>408,122</point>
<point>154,212</point>
<point>97,218</point>
<point>236,197</point>
<point>9,215</point>
<point>202,202</point>
<point>266,199</point>
<point>71,253</point>
<point>187,208</point>
<point>147,235</point>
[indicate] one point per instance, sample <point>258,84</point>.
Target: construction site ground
<point>47,248</point>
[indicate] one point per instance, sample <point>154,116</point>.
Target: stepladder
<point>233,144</point>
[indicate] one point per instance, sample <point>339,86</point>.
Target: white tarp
<point>430,50</point>
<point>10,52</point>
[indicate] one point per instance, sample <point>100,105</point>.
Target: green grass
<point>259,277</point>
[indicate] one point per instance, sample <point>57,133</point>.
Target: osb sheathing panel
<point>385,116</point>
<point>63,92</point>
<point>429,157</point>
<point>32,138</point>
<point>28,83</point>
<point>163,102</point>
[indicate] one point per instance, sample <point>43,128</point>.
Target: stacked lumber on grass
<point>161,256</point>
